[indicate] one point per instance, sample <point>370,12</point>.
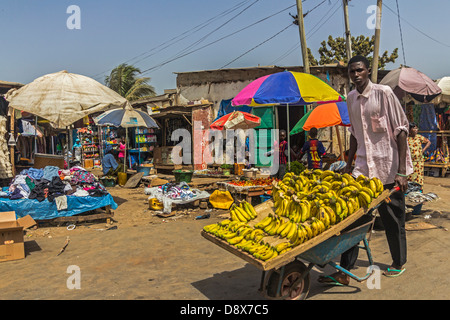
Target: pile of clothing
<point>177,191</point>
<point>54,184</point>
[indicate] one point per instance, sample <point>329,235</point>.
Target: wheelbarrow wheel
<point>292,273</point>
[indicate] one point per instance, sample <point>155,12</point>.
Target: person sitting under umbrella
<point>110,166</point>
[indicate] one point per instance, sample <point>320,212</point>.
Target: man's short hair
<point>313,132</point>
<point>359,59</point>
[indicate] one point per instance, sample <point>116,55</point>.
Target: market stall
<point>52,192</point>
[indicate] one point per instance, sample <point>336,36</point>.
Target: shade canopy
<point>63,98</point>
<point>125,118</point>
<point>286,88</point>
<point>407,80</point>
<point>236,120</point>
<point>444,84</point>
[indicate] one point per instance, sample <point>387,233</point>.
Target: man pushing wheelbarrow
<point>379,131</point>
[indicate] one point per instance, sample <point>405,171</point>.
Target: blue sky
<point>150,34</point>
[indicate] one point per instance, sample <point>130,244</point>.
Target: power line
<point>181,36</point>
<point>401,33</point>
<point>415,28</point>
<point>311,32</point>
<point>276,34</point>
<point>216,29</point>
<point>215,41</point>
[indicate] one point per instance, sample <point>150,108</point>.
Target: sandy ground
<point>143,256</point>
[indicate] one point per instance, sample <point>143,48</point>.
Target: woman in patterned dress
<point>415,142</point>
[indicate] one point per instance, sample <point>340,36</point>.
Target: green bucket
<point>183,175</point>
<point>108,182</point>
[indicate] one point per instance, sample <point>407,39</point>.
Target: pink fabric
<point>246,95</point>
<point>122,150</point>
<point>376,118</point>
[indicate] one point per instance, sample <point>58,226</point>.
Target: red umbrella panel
<point>236,120</point>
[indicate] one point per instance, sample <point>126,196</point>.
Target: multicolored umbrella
<point>286,88</point>
<point>407,80</point>
<point>236,120</point>
<point>324,115</point>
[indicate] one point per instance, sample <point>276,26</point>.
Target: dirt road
<point>147,257</point>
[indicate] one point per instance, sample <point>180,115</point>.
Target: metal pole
<point>288,137</point>
<point>301,27</point>
<point>376,47</point>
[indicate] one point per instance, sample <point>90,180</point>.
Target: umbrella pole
<point>126,149</point>
<point>341,150</point>
<point>289,138</point>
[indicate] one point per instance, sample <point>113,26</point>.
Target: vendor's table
<point>46,210</point>
<point>443,167</point>
<point>245,192</point>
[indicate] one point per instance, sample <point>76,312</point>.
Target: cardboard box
<point>11,237</point>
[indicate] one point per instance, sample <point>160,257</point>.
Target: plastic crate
<point>183,175</point>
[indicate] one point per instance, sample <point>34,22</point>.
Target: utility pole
<point>376,47</point>
<point>301,28</point>
<point>348,38</point>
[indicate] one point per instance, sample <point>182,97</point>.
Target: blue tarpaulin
<point>428,123</point>
<point>46,210</point>
<point>226,108</point>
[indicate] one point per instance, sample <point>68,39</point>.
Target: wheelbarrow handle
<point>394,190</point>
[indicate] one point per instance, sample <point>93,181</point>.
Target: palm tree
<point>125,81</point>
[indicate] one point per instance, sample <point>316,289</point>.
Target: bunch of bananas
<point>305,206</point>
<point>322,196</point>
<point>243,212</point>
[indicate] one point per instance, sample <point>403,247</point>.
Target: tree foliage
<point>124,79</point>
<point>334,49</point>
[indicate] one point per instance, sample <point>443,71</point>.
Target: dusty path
<point>147,257</point>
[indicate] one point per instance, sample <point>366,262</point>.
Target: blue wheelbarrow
<point>292,281</point>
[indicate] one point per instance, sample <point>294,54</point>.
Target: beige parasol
<point>63,98</point>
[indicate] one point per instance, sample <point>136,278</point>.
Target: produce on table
<point>305,206</point>
<point>295,167</point>
<point>253,182</point>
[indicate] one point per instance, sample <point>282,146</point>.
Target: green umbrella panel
<point>299,126</point>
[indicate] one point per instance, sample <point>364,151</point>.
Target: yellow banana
<point>324,217</point>
<point>373,186</point>
<point>350,207</point>
<point>286,230</point>
<point>321,226</point>
<point>366,197</point>
<point>244,213</point>
<point>235,240</point>
<point>326,173</point>
<point>264,222</point>
<point>307,228</point>
<point>356,184</point>
<point>347,176</point>
<point>251,211</point>
<point>332,214</point>
<point>368,191</point>
<point>292,231</point>
<point>268,255</point>
<point>211,227</point>
<point>305,207</point>
<point>282,227</point>
<point>280,247</point>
